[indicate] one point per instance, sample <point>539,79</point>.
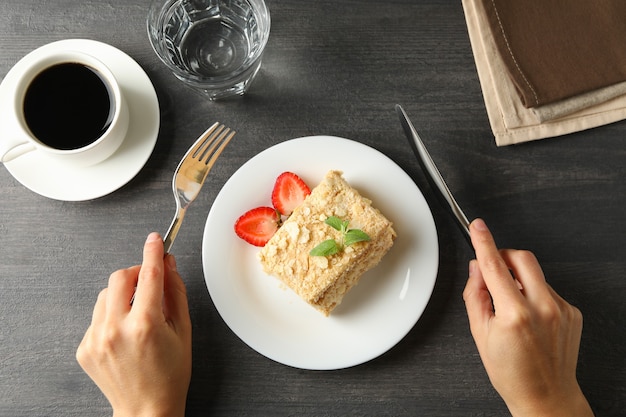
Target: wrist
<point>567,406</point>
<point>152,412</point>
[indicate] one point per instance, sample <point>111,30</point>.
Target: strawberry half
<point>258,225</point>
<point>289,192</point>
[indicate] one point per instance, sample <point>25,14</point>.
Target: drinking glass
<point>214,46</point>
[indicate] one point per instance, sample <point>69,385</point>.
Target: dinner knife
<point>432,173</point>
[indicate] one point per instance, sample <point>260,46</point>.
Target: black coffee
<point>68,106</point>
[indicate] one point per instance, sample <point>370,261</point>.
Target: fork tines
<point>212,142</point>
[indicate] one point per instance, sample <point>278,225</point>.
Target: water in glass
<point>212,45</point>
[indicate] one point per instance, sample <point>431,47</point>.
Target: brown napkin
<point>539,82</point>
<point>554,49</point>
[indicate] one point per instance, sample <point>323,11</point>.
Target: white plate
<point>52,179</point>
<point>374,315</point>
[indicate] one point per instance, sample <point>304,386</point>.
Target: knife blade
<point>432,173</point>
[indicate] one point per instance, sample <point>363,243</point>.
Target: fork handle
<point>168,241</point>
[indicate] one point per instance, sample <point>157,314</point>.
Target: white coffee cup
<point>67,105</point>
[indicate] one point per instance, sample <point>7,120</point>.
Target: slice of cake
<point>322,281</point>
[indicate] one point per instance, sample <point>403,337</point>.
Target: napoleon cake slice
<point>322,281</point>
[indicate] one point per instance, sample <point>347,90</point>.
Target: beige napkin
<point>512,121</point>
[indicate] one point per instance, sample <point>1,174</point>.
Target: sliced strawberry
<point>289,192</point>
<point>258,225</point>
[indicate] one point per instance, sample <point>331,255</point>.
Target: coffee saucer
<point>52,179</point>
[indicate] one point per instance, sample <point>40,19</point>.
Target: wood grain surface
<point>333,68</point>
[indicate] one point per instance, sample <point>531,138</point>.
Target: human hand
<point>139,355</point>
<point>528,338</point>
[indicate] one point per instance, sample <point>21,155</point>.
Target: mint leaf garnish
<point>354,236</point>
<point>326,248</point>
<point>336,223</point>
<point>348,237</point>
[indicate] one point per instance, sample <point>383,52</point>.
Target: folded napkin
<point>549,68</point>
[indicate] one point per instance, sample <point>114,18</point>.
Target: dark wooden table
<point>334,68</point>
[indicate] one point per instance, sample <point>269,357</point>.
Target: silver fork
<point>192,171</point>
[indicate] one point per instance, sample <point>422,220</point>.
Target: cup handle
<point>10,151</point>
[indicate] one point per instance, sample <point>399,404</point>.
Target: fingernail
<point>171,262</point>
<point>480,224</point>
<point>152,237</point>
<point>472,267</point>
